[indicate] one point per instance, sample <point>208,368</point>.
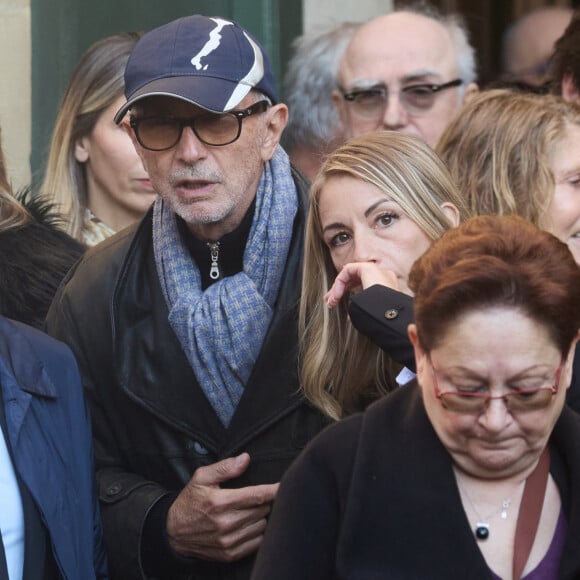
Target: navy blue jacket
<point>49,434</point>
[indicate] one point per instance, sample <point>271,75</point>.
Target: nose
<point>495,416</point>
<point>190,148</point>
<point>395,117</point>
<point>364,247</point>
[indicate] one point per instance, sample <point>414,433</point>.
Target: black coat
<point>153,426</point>
<point>374,497</point>
<point>383,315</point>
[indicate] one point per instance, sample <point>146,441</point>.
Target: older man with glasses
<point>185,326</point>
<point>406,71</point>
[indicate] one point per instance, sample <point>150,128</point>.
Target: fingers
<point>222,471</point>
<point>212,529</point>
<point>347,279</point>
<point>237,545</point>
<point>356,276</point>
<point>243,541</point>
<point>206,521</point>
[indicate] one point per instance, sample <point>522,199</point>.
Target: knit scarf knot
<point>221,329</point>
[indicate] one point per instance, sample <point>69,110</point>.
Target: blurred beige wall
<point>319,14</point>
<point>15,59</point>
<point>15,64</point>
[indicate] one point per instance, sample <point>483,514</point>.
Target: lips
<point>145,183</point>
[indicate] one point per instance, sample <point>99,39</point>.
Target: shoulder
<point>340,443</point>
<point>95,273</point>
<point>15,335</point>
<point>29,353</point>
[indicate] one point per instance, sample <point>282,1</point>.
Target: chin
<point>498,463</point>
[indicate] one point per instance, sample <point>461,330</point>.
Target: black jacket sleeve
<point>573,394</point>
<point>383,315</point>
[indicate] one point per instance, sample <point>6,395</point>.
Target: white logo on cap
<point>211,44</point>
<point>252,78</point>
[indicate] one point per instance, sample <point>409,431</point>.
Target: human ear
<point>340,105</point>
<point>570,91</point>
<point>470,91</point>
<point>275,124</point>
<point>125,124</point>
<point>82,149</point>
<point>569,363</point>
<point>420,353</point>
<point>451,213</point>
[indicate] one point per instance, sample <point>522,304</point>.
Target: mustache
<point>193,174</point>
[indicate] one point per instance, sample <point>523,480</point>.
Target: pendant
<point>481,531</point>
<point>505,504</point>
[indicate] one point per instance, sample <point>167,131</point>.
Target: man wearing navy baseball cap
<point>185,326</point>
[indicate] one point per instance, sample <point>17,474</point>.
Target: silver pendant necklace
<point>481,529</point>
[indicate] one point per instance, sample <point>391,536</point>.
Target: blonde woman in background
<point>517,153</point>
<point>93,172</point>
<point>377,204</point>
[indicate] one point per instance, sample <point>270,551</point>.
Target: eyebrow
<point>374,206</point>
<point>567,172</point>
<point>364,84</point>
<point>422,75</point>
<point>472,374</point>
<point>369,210</point>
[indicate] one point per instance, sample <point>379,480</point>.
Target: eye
<point>370,96</point>
<point>419,95</point>
<point>419,90</point>
<point>157,122</point>
<point>338,240</point>
<point>385,220</point>
<point>470,389</point>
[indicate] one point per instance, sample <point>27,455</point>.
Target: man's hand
<point>358,276</point>
<point>208,522</point>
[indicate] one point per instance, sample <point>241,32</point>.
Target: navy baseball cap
<point>210,62</point>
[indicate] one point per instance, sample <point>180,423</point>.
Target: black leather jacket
<point>152,425</point>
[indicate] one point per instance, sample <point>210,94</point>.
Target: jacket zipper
<point>214,252</point>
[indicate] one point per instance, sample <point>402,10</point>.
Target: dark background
<point>487,20</point>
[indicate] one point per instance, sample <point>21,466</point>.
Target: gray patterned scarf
<point>221,329</point>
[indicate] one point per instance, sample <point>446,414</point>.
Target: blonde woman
<point>377,204</point>
<point>93,172</point>
<point>517,153</point>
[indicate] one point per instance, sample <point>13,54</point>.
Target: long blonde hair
<point>498,150</point>
<point>339,366</point>
<point>12,212</point>
<point>96,83</point>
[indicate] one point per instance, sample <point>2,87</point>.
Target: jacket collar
<point>20,367</point>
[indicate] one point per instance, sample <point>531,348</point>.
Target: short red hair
<point>491,261</point>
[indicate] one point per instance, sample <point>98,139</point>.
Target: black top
<point>374,497</point>
<point>231,249</point>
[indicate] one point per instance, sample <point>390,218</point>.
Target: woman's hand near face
<point>358,276</point>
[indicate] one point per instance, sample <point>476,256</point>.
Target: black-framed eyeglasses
<point>416,99</point>
<point>159,133</point>
<point>475,402</point>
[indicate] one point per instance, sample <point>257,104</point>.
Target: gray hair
<point>308,84</point>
